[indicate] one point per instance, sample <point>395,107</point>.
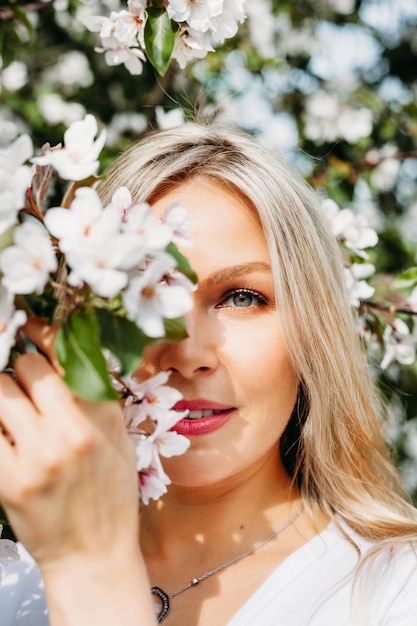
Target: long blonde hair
<point>333,446</point>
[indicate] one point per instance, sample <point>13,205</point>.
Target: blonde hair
<point>332,447</point>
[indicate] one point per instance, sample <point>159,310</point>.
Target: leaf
<point>123,338</point>
<point>79,352</point>
<point>175,329</point>
<point>43,305</point>
<point>160,34</point>
<point>182,262</point>
<point>405,279</point>
<point>3,516</point>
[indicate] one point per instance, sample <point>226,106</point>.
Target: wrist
<point>111,589</point>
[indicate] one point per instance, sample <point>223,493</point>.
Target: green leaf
<point>3,516</point>
<point>123,338</point>
<point>405,279</point>
<point>43,306</point>
<point>79,352</point>
<point>160,33</point>
<point>182,262</point>
<point>175,329</point>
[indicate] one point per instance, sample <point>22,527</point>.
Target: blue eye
<point>242,298</point>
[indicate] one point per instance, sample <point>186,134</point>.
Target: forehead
<point>222,227</point>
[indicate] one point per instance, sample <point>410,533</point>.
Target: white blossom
<point>77,160</point>
<point>177,219</point>
<point>10,321</point>
<point>197,13</point>
<point>152,483</point>
<point>326,119</point>
<point>55,110</point>
<point>71,226</point>
<point>97,250</point>
<point>352,229</point>
<point>169,119</point>
<point>387,166</point>
<point>27,264</point>
<point>148,407</point>
<point>399,344</point>
<point>189,46</point>
<point>225,25</point>
<point>148,299</point>
<point>129,25</point>
<point>358,289</point>
<point>15,178</point>
<point>118,54</point>
<point>138,219</point>
<point>154,399</point>
<point>14,76</point>
<point>72,70</point>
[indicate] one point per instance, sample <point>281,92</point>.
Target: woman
<point>286,508</point>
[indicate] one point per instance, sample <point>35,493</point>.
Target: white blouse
<point>314,586</point>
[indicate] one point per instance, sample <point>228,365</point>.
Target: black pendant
<point>164,598</point>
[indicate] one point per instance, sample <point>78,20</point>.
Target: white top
<point>312,587</point>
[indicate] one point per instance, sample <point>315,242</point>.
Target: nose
<point>195,355</point>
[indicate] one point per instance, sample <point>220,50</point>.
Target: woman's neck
<point>201,521</point>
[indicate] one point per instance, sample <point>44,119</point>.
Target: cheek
<point>261,370</point>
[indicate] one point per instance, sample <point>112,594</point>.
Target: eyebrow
<point>234,271</point>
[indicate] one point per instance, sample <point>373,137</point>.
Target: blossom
<point>177,218</point>
<point>190,46</point>
<point>327,119</point>
<point>129,25</point>
<point>15,178</point>
<point>139,220</point>
<point>27,264</point>
<point>169,119</point>
<point>225,24</point>
<point>197,13</point>
<point>78,159</point>
<point>10,321</point>
<point>72,225</point>
<point>152,484</point>
<point>8,553</point>
<point>117,54</point>
<point>349,228</point>
<point>399,344</point>
<point>96,249</point>
<point>126,26</point>
<point>358,289</point>
<point>148,300</point>
<point>149,407</point>
<point>154,400</point>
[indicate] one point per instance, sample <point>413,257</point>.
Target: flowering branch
<point>161,31</point>
<point>111,276</point>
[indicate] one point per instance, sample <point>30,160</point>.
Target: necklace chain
<point>166,597</point>
<point>255,548</point>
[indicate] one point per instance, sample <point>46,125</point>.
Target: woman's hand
<point>69,485</point>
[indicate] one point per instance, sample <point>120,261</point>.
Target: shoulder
<point>22,600</point>
<point>336,579</point>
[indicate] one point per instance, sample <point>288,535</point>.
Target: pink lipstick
<point>204,417</point>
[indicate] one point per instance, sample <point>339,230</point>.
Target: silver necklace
<point>165,597</point>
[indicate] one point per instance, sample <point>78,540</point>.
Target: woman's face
<point>232,370</point>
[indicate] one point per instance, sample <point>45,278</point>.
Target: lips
<point>203,418</point>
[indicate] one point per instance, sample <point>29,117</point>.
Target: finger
<point>52,397</point>
<point>42,384</point>
<point>43,336</point>
<point>18,416</point>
